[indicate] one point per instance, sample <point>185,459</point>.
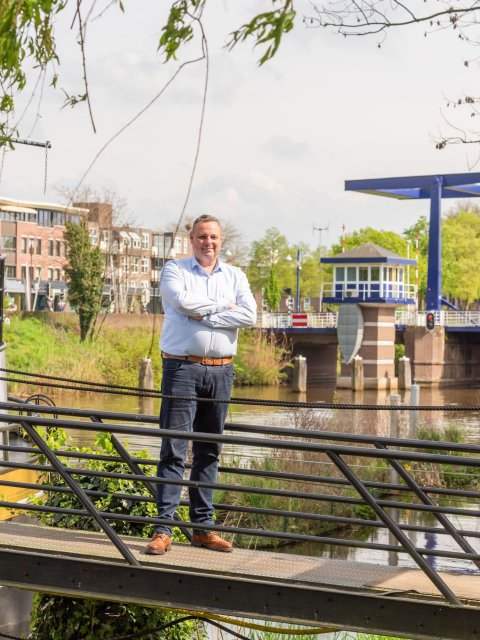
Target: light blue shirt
<point>188,290</point>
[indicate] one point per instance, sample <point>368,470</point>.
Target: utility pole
<point>320,274</point>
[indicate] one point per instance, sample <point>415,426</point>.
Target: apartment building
<point>134,257</point>
<point>32,237</point>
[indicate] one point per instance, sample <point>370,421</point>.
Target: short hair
<point>205,217</point>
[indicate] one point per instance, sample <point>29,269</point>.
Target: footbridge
<point>308,481</point>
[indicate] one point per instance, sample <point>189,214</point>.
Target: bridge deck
<point>253,564</point>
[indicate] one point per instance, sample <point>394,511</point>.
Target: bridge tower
<point>369,282</point>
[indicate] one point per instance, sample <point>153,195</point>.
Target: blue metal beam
<point>433,297</point>
<point>434,188</point>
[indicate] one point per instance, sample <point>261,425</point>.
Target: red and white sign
<point>299,320</point>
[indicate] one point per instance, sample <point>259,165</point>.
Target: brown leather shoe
<point>210,540</point>
<point>159,544</point>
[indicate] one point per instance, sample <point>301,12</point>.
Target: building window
<point>185,245</point>
<point>375,274</point>
<point>10,243</point>
<point>93,233</point>
<point>38,246</point>
<point>363,274</point>
<point>24,272</point>
<point>340,274</point>
<point>56,274</point>
<point>134,265</point>
<point>58,248</point>
<point>50,247</point>
<point>351,274</point>
<point>145,241</point>
<point>50,274</point>
<point>178,245</point>
<point>145,262</point>
<point>105,236</point>
<point>38,273</point>
<point>10,271</point>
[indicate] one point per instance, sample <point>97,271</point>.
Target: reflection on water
<point>353,421</point>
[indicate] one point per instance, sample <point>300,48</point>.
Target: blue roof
<point>368,253</point>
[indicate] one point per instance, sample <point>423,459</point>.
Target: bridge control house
<point>368,283</point>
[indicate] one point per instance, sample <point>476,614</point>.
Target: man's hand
<point>198,318</point>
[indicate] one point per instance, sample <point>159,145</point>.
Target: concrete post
<point>404,373</point>
<point>145,381</point>
<point>357,374</point>
<point>415,402</point>
<point>299,383</point>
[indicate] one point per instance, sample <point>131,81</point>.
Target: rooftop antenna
<point>32,143</point>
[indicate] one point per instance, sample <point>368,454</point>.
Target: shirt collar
<point>195,265</point>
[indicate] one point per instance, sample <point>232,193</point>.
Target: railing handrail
<point>403,317</point>
<point>343,450</point>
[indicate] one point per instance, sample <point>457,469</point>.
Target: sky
<point>278,140</point>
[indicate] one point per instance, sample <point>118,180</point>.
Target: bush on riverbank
<point>56,618</point>
<point>49,343</point>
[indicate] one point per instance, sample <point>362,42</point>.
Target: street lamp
<point>297,290</point>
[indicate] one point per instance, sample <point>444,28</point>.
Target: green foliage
<point>50,344</point>
<point>260,360</point>
<point>452,476</point>
<point>272,291</point>
<point>28,40</point>
<point>461,254</point>
<point>85,275</point>
<point>58,618</point>
<point>267,28</point>
<point>273,250</point>
<point>26,33</point>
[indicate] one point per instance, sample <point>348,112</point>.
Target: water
<point>354,421</point>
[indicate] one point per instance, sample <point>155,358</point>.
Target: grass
<point>49,343</point>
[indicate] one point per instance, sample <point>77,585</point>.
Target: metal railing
<point>309,484</point>
<point>403,317</point>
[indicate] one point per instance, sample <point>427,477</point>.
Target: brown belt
<point>210,362</point>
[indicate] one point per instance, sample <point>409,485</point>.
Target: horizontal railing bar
<point>275,492</point>
<point>386,486</point>
<point>244,509</point>
<point>258,442</point>
<point>283,431</point>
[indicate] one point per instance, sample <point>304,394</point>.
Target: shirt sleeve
<point>189,303</point>
<point>244,314</point>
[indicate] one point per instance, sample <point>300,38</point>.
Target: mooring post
<point>145,381</point>
<point>415,402</point>
<point>404,373</point>
<point>299,383</point>
<point>394,429</point>
<point>357,374</point>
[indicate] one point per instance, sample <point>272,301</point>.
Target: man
<point>205,302</point>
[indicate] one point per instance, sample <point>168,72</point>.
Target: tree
<point>28,36</point>
<point>461,255</point>
<point>273,250</point>
<point>272,291</point>
<point>84,273</point>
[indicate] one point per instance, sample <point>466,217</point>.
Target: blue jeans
<point>184,378</point>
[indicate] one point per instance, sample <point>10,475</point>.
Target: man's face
<point>206,240</point>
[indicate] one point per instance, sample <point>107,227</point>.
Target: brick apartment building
<point>32,236</point>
